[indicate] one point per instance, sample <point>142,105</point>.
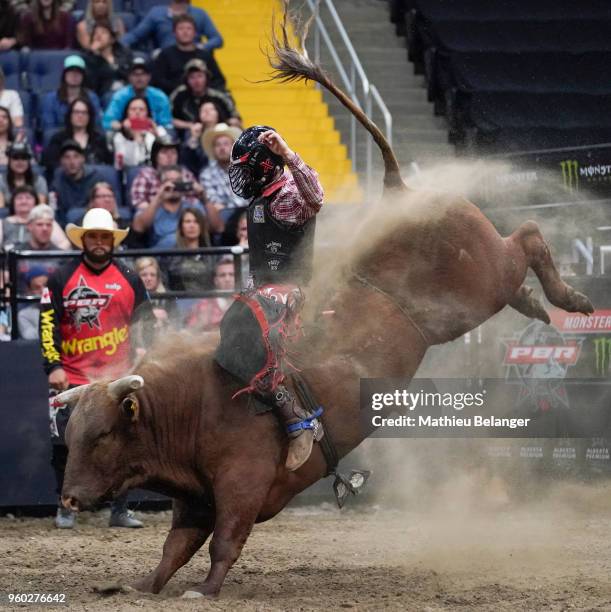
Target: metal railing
<point>10,263</point>
<point>364,95</point>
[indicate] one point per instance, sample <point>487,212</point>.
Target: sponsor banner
<point>570,323</point>
<point>486,408</point>
<point>578,173</point>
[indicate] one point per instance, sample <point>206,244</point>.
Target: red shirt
<point>85,319</point>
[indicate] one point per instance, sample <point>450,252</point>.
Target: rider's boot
<point>292,416</point>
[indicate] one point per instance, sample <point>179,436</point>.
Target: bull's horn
<point>71,396</point>
<point>121,387</point>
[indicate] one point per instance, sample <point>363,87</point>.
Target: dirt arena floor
<point>552,554</point>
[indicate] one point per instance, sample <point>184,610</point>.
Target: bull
<point>433,270</point>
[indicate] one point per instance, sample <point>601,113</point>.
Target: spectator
<point>19,172</point>
<point>8,25</point>
<point>157,26</point>
<point>73,182</point>
<point>134,143</point>
<point>40,227</point>
<point>187,99</point>
<point>46,26</point>
<point>107,60</point>
<point>139,79</point>
<point>217,143</point>
<point>6,134</point>
<point>170,63</point>
<point>146,183</point>
<point>193,154</point>
<point>10,100</point>
<point>55,103</point>
<point>192,272</point>
<point>36,280</point>
<point>80,126</point>
<point>97,12</point>
<point>103,196</point>
<point>148,270</point>
<point>206,315</point>
<point>14,228</point>
<point>66,321</point>
<point>159,221</point>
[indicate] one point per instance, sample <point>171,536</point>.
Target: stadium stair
<point>296,110</point>
<point>418,135</point>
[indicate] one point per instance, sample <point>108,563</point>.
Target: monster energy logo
<point>570,174</point>
<point>602,347</point>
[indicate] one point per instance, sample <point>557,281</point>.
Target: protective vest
<point>279,252</point>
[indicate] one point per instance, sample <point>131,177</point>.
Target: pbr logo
<point>84,304</point>
<point>539,357</point>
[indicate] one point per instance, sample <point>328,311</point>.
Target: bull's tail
<point>291,64</point>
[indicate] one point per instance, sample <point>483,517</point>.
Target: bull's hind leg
<point>538,257</point>
<point>191,526</point>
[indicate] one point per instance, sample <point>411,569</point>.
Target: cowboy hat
<point>98,219</point>
<point>211,134</point>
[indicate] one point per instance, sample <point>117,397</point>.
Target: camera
<point>183,186</point>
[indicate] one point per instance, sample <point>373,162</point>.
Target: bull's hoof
<point>198,594</point>
<point>578,302</point>
<point>143,585</point>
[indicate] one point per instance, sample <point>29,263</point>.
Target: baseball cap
<point>196,64</point>
<point>71,145</point>
<point>19,149</point>
<point>74,62</point>
<point>139,63</point>
<point>34,272</point>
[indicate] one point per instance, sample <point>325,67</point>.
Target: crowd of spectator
<point>130,112</point>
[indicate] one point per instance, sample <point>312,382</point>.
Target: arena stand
<point>512,76</point>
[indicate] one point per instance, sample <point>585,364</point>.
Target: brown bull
<point>434,269</point>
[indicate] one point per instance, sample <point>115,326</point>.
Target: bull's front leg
<point>191,526</point>
<point>239,498</point>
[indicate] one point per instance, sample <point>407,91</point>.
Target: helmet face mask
<point>253,165</point>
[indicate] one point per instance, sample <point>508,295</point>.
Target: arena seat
<point>529,72</point>
<point>129,20</point>
<point>142,7</point>
<point>484,10</point>
<point>44,69</point>
<point>29,107</point>
<point>12,68</point>
<point>47,135</point>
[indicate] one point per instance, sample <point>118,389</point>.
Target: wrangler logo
<point>108,342</point>
<point>46,336</point>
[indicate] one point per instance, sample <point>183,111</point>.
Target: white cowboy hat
<point>211,134</point>
<point>95,219</point>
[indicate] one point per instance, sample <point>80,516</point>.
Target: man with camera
<point>160,220</point>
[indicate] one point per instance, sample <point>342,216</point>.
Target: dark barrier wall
<point>26,477</point>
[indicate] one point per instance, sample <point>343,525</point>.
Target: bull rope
<point>394,301</point>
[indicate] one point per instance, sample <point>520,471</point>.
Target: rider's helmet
<point>253,165</point>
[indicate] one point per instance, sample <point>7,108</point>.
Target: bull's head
<point>101,439</point>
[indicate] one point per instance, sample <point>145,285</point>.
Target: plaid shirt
<point>298,194</point>
<point>215,180</point>
<point>147,183</point>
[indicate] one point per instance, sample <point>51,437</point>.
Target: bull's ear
<point>130,408</point>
